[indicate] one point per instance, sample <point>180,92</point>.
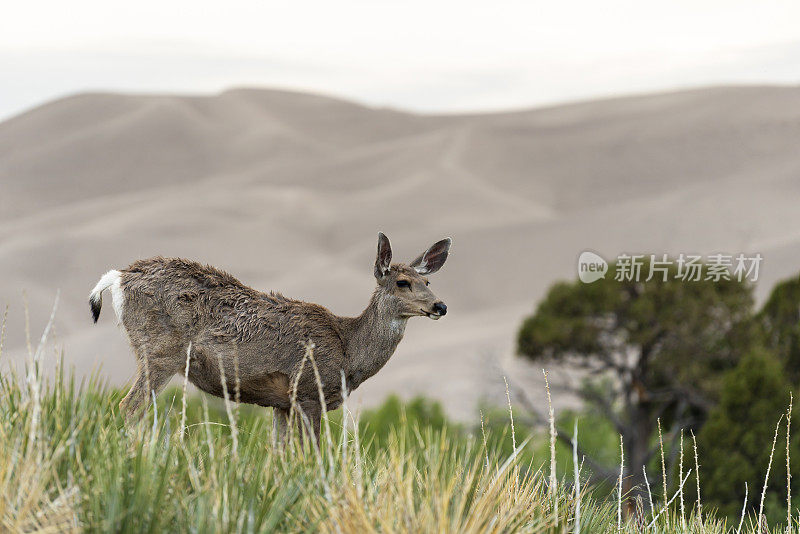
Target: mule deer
<point>174,310</point>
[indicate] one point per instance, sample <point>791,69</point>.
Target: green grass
<point>78,467</point>
<point>68,462</point>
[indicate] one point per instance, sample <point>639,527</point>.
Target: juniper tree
<point>735,443</point>
<point>648,351</point>
<point>780,320</point>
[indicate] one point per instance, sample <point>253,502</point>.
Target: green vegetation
<point>652,351</point>
<point>68,463</point>
<point>697,358</point>
<point>736,441</point>
<point>780,322</point>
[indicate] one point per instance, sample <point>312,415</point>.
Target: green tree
<point>650,350</point>
<point>780,321</point>
<point>735,443</point>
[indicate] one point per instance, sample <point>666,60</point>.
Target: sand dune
<point>288,191</point>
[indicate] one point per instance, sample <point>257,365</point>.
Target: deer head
<point>405,288</point>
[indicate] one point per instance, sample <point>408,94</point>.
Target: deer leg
<point>139,395</point>
<point>135,395</point>
<point>312,421</point>
<point>306,417</point>
<point>280,426</point>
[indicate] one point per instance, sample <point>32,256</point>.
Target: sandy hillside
<point>288,191</point>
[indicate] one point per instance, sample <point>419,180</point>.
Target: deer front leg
<point>315,417</point>
<point>309,418</point>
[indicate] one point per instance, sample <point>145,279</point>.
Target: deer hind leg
<point>303,419</point>
<point>150,380</point>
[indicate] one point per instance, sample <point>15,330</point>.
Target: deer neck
<point>372,339</point>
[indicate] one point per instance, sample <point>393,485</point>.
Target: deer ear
<point>384,258</point>
<point>432,259</point>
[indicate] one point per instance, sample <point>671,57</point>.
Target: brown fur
<point>170,303</point>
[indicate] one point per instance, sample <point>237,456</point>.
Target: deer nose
<point>440,308</point>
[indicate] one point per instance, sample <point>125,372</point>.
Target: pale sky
<point>431,56</point>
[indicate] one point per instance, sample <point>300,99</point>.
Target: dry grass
<point>68,463</point>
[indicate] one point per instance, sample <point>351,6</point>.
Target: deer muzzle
<point>439,310</point>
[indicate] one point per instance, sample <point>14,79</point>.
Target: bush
<point>780,321</point>
<point>735,443</point>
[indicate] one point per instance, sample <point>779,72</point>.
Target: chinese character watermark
<point>686,267</point>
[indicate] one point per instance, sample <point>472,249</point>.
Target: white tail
<point>109,280</point>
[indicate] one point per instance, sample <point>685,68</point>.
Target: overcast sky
<point>419,55</point>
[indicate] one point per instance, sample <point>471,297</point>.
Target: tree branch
<point>605,407</point>
<point>598,471</point>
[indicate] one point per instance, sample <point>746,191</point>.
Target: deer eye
<point>427,283</point>
<point>403,283</point>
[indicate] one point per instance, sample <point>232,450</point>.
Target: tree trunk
<point>636,441</point>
